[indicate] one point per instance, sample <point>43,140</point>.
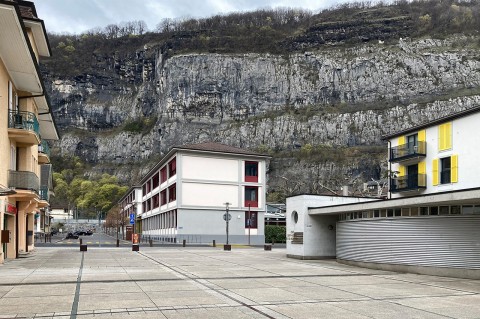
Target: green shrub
<point>277,234</point>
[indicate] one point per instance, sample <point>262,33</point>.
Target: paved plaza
<point>207,282</point>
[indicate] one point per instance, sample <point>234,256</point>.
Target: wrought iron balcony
<point>43,148</point>
<point>43,192</point>
<point>408,183</point>
<point>23,120</point>
<point>408,151</point>
<point>23,180</point>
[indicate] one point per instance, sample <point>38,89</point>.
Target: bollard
<point>83,247</point>
<point>118,242</point>
<point>227,247</point>
<point>151,242</point>
<point>81,241</point>
<point>267,247</point>
<point>214,244</point>
<point>184,243</point>
<point>135,248</point>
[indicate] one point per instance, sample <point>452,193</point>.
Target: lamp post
<point>227,217</point>
<point>249,224</point>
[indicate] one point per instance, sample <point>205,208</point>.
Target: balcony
<point>43,192</point>
<point>23,127</point>
<point>23,180</point>
<point>43,153</point>
<point>407,152</point>
<point>408,183</point>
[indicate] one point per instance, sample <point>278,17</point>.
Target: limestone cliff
<point>336,98</point>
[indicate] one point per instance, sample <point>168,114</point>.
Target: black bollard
<point>214,243</point>
<point>184,243</point>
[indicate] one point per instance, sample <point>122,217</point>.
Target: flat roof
<point>464,196</point>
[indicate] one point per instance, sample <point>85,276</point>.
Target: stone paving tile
<point>451,306</point>
<point>384,309</point>
<point>314,311</point>
<point>399,290</point>
<point>210,283</point>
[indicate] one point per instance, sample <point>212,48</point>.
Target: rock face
<point>334,98</point>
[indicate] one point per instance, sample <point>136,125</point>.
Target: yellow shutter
<point>422,168</point>
<point>454,169</point>
<point>401,170</point>
<point>435,172</point>
<point>401,140</point>
<point>445,136</point>
<point>448,135</point>
<point>422,136</point>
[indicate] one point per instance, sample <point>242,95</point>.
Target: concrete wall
<point>318,230</point>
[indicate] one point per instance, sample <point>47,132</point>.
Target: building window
<point>163,175</point>
<point>445,170</point>
<point>251,172</point>
<point>172,193</point>
<point>251,196</point>
<point>172,168</point>
<point>155,201</point>
<point>251,220</point>
<point>155,181</point>
<point>163,197</point>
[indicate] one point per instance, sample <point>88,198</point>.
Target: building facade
<point>431,220</point>
<point>184,196</point>
<point>26,124</point>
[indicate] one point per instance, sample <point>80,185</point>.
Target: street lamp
<point>227,217</point>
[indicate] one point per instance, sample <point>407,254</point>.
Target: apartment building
<point>184,196</point>
<point>25,126</point>
<point>431,220</point>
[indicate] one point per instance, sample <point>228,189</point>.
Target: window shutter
<point>401,170</point>
<point>454,169</point>
<point>435,171</point>
<point>422,136</point>
<point>401,140</point>
<point>448,135</point>
<point>445,136</point>
<point>422,168</point>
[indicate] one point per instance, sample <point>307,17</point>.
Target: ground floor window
<point>251,219</point>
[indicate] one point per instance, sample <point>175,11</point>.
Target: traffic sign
<point>225,216</point>
<point>132,218</point>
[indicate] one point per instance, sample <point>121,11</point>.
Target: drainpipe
<point>389,170</point>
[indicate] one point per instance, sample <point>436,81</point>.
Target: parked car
<point>71,236</point>
<point>89,233</point>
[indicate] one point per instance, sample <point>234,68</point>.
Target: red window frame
<point>163,197</point>
<point>172,167</point>
<point>249,201</point>
<point>172,193</point>
<point>251,175</point>
<point>163,174</point>
<point>155,199</point>
<point>155,181</point>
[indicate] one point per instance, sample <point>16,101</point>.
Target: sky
<point>77,16</point>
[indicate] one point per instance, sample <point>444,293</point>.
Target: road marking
<point>89,242</point>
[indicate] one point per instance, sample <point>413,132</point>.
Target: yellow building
<point>25,124</point>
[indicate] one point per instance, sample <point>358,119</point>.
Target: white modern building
<point>430,223</point>
<point>185,195</point>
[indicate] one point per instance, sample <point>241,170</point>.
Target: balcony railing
<point>407,151</point>
<point>408,183</point>
<point>23,120</point>
<point>43,148</point>
<point>43,192</point>
<point>23,180</point>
